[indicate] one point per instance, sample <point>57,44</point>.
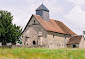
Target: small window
<point>34,21</point>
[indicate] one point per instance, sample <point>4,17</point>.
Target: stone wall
<point>46,38</point>
<point>81,45</point>
<point>71,46</point>
<point>31,34</point>
<point>57,40</point>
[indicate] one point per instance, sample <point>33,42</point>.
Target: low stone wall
<point>16,46</point>
<point>25,46</point>
<point>5,46</point>
<point>11,46</point>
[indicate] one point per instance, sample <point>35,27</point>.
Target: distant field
<point>41,53</point>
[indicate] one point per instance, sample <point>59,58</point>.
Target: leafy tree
<point>9,32</point>
<point>84,32</point>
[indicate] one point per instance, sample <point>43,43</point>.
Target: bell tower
<point>43,12</point>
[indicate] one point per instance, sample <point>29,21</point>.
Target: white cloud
<point>78,2</point>
<point>76,18</point>
<point>23,11</point>
<point>76,14</point>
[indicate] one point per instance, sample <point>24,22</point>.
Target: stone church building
<point>45,32</point>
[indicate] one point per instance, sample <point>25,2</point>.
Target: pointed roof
<point>53,25</point>
<point>42,7</point>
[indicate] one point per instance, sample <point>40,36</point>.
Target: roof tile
<point>54,25</point>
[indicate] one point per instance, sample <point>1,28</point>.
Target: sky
<point>70,12</point>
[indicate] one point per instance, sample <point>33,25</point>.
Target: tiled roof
<point>64,28</point>
<point>74,40</point>
<point>54,25</point>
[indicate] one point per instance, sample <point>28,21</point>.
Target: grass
<point>41,53</point>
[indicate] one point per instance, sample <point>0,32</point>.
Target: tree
<point>9,32</point>
<point>84,32</point>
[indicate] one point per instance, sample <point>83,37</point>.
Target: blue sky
<point>70,12</point>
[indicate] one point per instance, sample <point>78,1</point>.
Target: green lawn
<point>41,53</point>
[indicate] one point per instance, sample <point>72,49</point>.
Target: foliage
<point>8,32</point>
<point>83,32</point>
<point>42,53</point>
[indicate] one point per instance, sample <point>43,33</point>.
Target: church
<point>41,31</point>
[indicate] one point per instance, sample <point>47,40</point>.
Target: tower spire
<point>42,7</point>
<point>43,12</point>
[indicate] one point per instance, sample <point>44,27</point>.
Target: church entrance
<point>34,42</point>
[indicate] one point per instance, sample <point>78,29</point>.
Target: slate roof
<point>42,7</point>
<point>53,25</point>
<point>74,40</point>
